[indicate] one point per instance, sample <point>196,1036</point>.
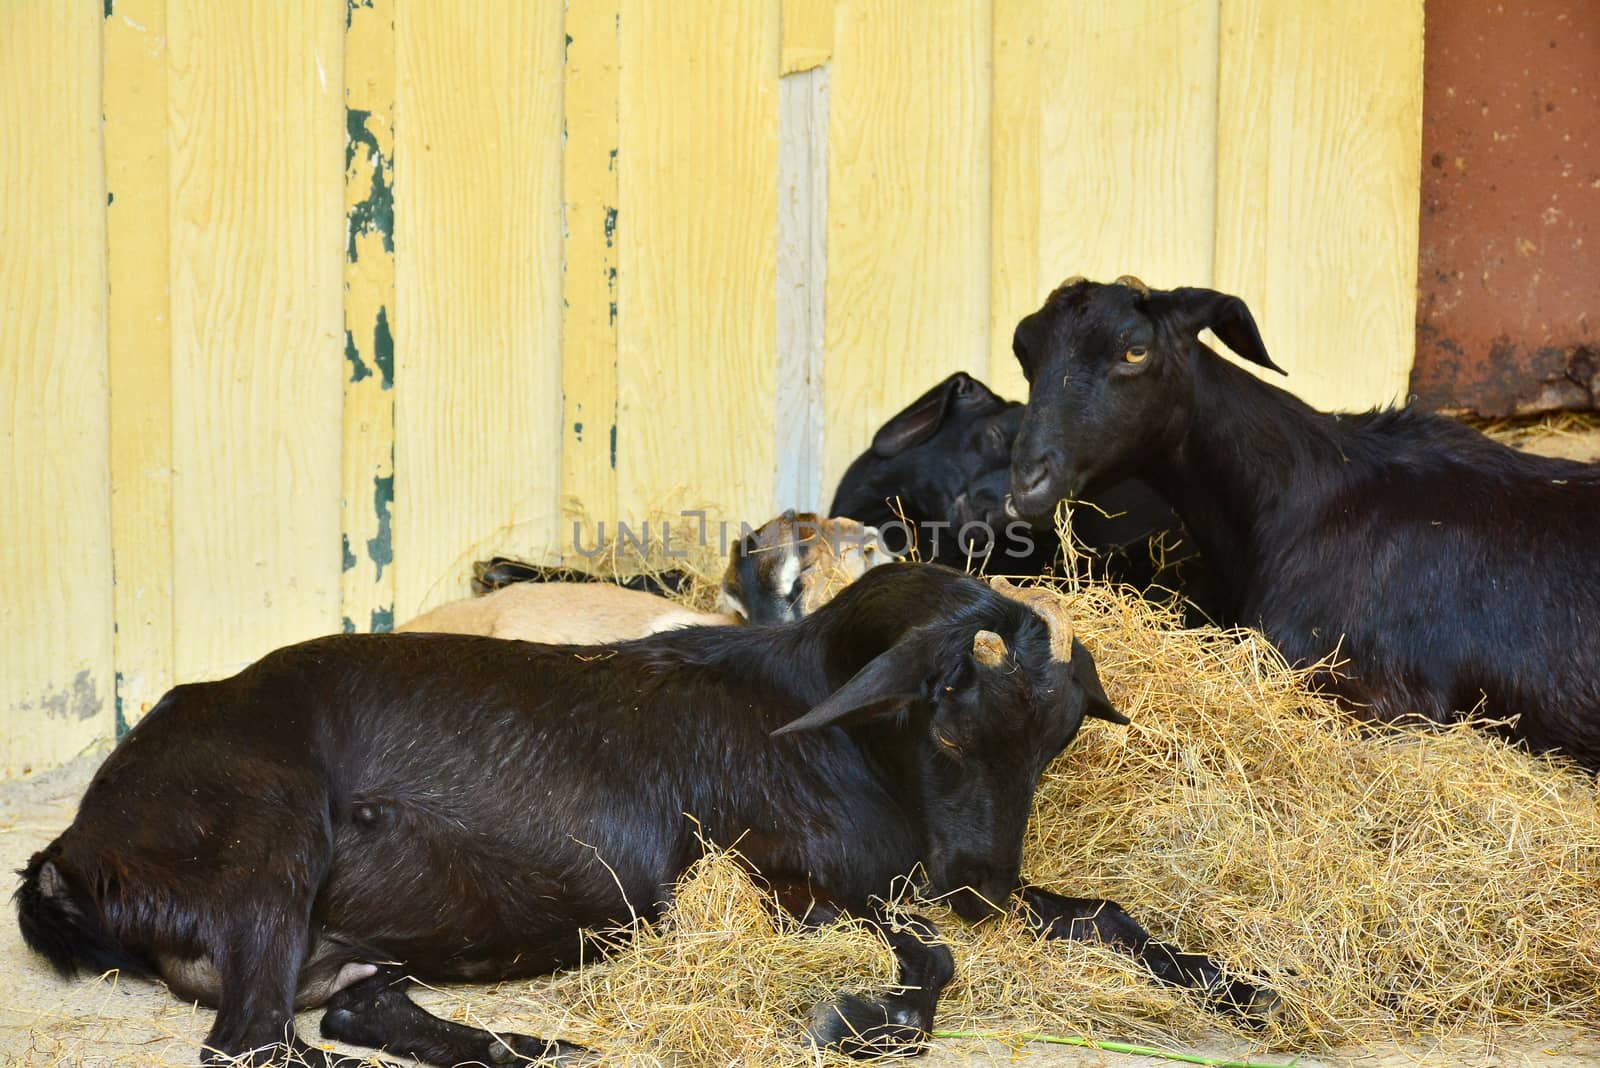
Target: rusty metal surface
<point>1508,311</point>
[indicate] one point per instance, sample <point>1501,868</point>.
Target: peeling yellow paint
<point>367,588</point>
<point>807,35</point>
<point>589,282</point>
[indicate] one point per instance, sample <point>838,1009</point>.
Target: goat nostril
<point>1034,479</point>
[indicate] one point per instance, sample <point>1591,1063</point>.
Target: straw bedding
<point>1387,884</point>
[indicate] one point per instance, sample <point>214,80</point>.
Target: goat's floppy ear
<point>921,419</point>
<point>1194,309</point>
<point>888,681</point>
<point>1099,705</point>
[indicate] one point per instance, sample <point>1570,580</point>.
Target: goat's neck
<point>1232,475</point>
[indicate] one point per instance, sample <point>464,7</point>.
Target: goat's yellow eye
<point>1135,354</point>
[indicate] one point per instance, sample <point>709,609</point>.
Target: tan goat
<point>787,568</point>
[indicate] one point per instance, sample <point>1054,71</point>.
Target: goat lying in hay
<point>776,573</point>
<point>359,809</point>
<point>1449,572</point>
<point>786,568</point>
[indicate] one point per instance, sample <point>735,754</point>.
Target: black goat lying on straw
<point>466,806</point>
<point>1451,573</point>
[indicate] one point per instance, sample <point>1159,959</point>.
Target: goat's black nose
<point>1031,480</point>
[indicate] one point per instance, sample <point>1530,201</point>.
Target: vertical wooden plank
<point>589,267</point>
<point>1015,282</point>
<point>367,498</point>
<point>140,351</point>
<point>802,286</point>
<point>807,35</point>
<point>1127,172</point>
<point>478,290</point>
<point>1319,160</point>
<point>55,530</point>
<point>258,237</point>
<point>908,210</point>
<point>698,225</point>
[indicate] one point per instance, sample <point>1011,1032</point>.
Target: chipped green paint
<point>611,227</point>
<point>382,352</point>
<point>347,558</point>
<point>380,548</point>
<point>613,446</point>
<point>577,431</point>
<point>349,9</point>
<point>382,620</point>
<point>109,5</point>
<point>374,213</point>
<point>611,164</point>
<point>383,347</point>
<point>110,198</point>
<point>121,716</point>
<point>347,625</point>
<point>358,370</point>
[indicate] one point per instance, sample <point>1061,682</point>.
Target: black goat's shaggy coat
<point>1448,572</point>
<point>464,807</point>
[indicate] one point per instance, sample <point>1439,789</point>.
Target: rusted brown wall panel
<point>1508,315</point>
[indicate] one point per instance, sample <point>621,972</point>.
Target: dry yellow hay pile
<point>1385,883</point>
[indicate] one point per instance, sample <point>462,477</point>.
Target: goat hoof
<point>344,1025</point>
<point>1250,1004</point>
<point>522,1049</point>
<point>861,1028</point>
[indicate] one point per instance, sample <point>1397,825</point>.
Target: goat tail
<point>63,926</point>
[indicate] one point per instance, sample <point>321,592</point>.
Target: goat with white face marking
<point>785,568</point>
<point>359,808</point>
<point>793,564</point>
<point>1449,572</point>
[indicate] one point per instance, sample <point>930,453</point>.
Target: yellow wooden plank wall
<point>366,504</point>
<point>589,271</point>
<point>139,351</point>
<point>478,288</point>
<point>395,285</point>
<point>908,210</point>
<point>258,235</point>
<point>697,231</point>
<point>1319,160</point>
<point>56,680</point>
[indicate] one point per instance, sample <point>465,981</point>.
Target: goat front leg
<point>376,1012</point>
<point>1095,919</point>
<point>898,1023</point>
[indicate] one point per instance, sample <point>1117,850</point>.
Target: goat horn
<point>1134,284</point>
<point>988,648</point>
<point>1048,606</point>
